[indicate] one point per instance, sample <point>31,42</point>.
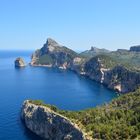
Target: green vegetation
<point>41,103</point>
<point>69,51</point>
<point>119,120</point>
<point>60,55</point>
<point>130,60</point>
<point>45,60</point>
<point>107,61</point>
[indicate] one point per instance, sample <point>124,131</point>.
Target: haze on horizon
<point>77,24</point>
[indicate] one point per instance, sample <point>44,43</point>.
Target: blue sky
<point>78,24</point>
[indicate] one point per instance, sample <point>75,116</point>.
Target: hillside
<point>94,52</point>
<point>119,119</point>
<point>118,70</point>
<point>53,54</point>
<point>127,58</point>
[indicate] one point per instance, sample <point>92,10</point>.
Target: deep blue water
<point>65,89</point>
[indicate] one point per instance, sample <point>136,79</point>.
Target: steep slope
<point>48,124</point>
<point>119,119</point>
<point>54,55</point>
<point>118,70</point>
<point>94,52</point>
<point>107,71</point>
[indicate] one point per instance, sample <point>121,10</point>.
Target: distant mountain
<point>130,59</point>
<point>135,48</point>
<point>93,52</point>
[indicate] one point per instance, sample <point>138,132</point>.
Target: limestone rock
<point>19,62</point>
<point>100,65</point>
<point>54,54</point>
<point>48,124</point>
<point>117,78</point>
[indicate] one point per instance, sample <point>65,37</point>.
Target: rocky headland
<point>117,70</point>
<point>48,124</point>
<point>119,119</point>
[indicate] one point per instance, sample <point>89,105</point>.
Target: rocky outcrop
<point>121,79</point>
<point>94,51</point>
<point>117,78</point>
<point>48,124</point>
<point>19,62</point>
<point>135,48</point>
<point>104,67</point>
<point>53,54</point>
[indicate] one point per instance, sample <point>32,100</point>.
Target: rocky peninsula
<point>48,124</point>
<point>117,70</point>
<point>120,119</point>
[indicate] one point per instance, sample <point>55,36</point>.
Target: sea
<point>62,88</point>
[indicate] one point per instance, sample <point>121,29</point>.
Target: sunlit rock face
<point>101,68</point>
<point>117,78</point>
<point>53,54</point>
<point>48,124</point>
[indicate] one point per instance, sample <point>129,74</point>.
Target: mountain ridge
<point>118,70</point>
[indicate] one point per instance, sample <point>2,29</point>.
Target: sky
<point>77,24</point>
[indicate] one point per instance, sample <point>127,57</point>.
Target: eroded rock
<point>19,62</point>
<point>48,124</point>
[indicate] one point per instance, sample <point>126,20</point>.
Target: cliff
<point>119,70</point>
<point>117,77</point>
<point>119,119</point>
<point>53,54</point>
<point>48,124</point>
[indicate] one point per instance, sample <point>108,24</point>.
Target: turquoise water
<point>65,89</point>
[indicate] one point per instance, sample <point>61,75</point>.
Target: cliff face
<point>103,68</point>
<point>122,79</point>
<point>54,55</point>
<point>116,77</point>
<point>48,124</point>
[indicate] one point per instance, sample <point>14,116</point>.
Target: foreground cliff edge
<point>120,119</point>
<point>48,124</point>
<point>118,70</point>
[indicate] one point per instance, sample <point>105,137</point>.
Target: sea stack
<point>19,62</point>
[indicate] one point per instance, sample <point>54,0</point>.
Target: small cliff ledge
<point>19,62</point>
<point>48,124</point>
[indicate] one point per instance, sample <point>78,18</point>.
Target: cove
<point>65,89</point>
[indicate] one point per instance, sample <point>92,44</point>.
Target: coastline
<point>80,74</point>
